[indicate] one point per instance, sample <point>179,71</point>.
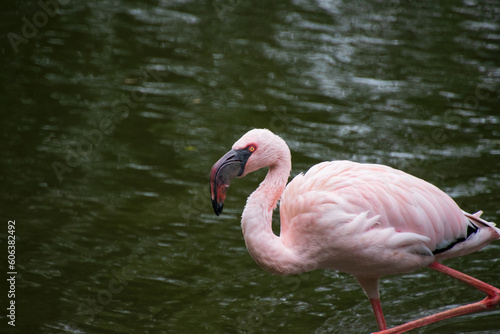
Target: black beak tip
<point>217,207</point>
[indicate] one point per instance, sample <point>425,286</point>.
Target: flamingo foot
<point>492,300</point>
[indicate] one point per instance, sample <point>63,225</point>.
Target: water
<point>113,113</point>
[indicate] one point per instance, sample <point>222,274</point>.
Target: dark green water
<point>113,113</point>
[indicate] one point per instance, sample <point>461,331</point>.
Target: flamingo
<point>367,220</point>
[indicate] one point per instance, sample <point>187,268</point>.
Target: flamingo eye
<point>251,148</point>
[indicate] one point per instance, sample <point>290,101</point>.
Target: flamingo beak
<point>231,165</point>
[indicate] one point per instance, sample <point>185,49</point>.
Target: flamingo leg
<point>492,300</point>
<point>370,286</point>
<point>379,315</point>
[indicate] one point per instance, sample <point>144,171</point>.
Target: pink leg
<point>377,309</point>
<point>490,301</point>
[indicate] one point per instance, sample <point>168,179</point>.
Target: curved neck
<point>263,245</point>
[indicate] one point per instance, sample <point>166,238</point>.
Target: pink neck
<point>263,245</point>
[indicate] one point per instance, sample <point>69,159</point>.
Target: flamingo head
<point>257,148</point>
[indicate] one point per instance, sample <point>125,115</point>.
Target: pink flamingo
<point>363,219</point>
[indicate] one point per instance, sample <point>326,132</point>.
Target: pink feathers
<point>402,201</point>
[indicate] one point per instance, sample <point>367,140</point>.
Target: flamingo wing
<point>388,220</point>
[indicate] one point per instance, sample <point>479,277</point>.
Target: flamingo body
<point>388,221</point>
<point>364,219</point>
